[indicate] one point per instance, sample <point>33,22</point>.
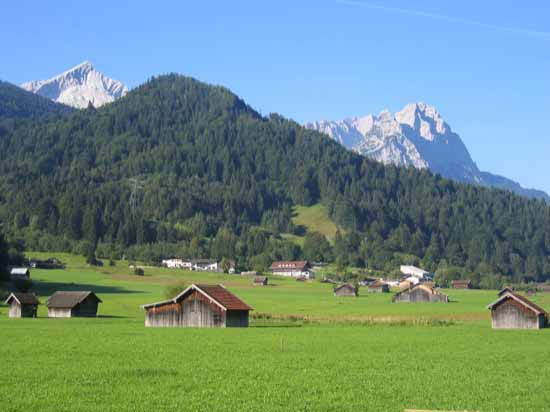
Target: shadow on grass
<point>48,288</point>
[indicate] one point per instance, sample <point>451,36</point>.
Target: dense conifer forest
<point>179,167</point>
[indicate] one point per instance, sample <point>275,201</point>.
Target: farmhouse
<point>22,305</point>
<point>20,273</point>
<point>420,293</point>
<point>297,269</point>
<point>414,271</point>
<point>461,284</point>
<point>73,304</point>
<point>513,311</point>
<point>260,281</point>
<point>379,287</point>
<point>177,263</point>
<point>346,289</point>
<point>199,306</point>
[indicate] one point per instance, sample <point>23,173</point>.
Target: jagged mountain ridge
<point>78,87</point>
<point>416,136</point>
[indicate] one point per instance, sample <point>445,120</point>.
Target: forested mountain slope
<point>16,103</point>
<point>192,169</point>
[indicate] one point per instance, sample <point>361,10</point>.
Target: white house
<point>415,272</point>
<point>177,263</point>
<point>295,269</point>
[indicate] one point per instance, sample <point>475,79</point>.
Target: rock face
<point>78,87</point>
<point>416,136</point>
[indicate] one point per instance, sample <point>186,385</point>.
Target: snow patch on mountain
<point>416,136</point>
<point>78,87</point>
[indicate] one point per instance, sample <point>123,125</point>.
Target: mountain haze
<point>416,136</point>
<point>78,87</point>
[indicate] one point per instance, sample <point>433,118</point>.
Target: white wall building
<point>415,272</point>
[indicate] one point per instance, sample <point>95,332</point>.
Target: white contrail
<point>419,13</point>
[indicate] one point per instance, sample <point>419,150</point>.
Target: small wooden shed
<point>260,281</point>
<point>420,293</point>
<point>73,304</point>
<point>379,287</point>
<point>461,284</point>
<point>199,306</point>
<point>347,289</point>
<point>20,273</point>
<point>22,305</point>
<point>513,311</point>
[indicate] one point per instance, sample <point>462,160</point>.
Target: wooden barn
<point>22,305</point>
<point>260,281</point>
<point>513,311</point>
<point>405,284</point>
<point>199,306</point>
<point>420,293</point>
<point>346,289</point>
<point>461,284</point>
<point>379,287</point>
<point>73,304</point>
<point>505,290</point>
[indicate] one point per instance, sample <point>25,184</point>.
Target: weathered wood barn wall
<point>513,311</point>
<point>420,293</point>
<point>199,306</point>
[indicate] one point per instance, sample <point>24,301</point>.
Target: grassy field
<point>327,353</point>
<point>314,219</point>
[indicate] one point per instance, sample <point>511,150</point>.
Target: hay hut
<point>73,304</point>
<point>420,293</point>
<point>379,287</point>
<point>347,289</point>
<point>260,281</point>
<point>199,306</point>
<point>513,311</point>
<point>22,305</point>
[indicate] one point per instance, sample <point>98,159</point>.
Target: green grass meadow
<point>312,352</point>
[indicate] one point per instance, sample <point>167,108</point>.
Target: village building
<point>379,287</point>
<point>73,304</point>
<point>20,273</point>
<point>22,305</point>
<point>420,293</point>
<point>347,289</point>
<point>419,273</point>
<point>297,269</point>
<point>177,263</point>
<point>199,306</point>
<point>260,281</point>
<point>461,284</point>
<point>513,311</point>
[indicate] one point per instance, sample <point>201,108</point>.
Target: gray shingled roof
<point>69,299</point>
<point>23,298</point>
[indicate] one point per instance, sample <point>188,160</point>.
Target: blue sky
<point>484,65</point>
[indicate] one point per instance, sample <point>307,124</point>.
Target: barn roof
<point>345,285</point>
<point>505,290</point>
<point>377,284</point>
<point>22,298</point>
<point>522,300</point>
<point>69,299</point>
<point>429,289</point>
<point>288,264</point>
<point>19,271</point>
<point>217,293</point>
